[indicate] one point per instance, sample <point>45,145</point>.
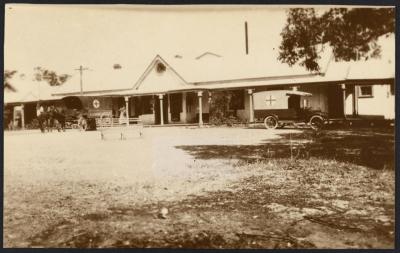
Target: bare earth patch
<point>223,188</point>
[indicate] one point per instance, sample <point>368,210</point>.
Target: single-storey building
<point>20,106</point>
<point>180,90</point>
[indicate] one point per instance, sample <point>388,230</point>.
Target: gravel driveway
<point>56,176</point>
<point>222,187</point>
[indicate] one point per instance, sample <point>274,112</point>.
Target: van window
<point>294,102</point>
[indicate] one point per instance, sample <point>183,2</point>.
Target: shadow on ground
<point>373,148</point>
<point>254,213</point>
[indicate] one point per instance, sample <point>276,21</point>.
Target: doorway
<point>335,102</point>
<point>176,106</point>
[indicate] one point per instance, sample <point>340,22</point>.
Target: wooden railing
<point>120,126</point>
<point>116,122</point>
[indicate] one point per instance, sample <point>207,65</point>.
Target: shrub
<point>34,124</point>
<point>219,109</point>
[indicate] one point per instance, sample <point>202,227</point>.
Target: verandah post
<point>343,86</point>
<point>355,100</point>
<point>184,109</point>
<point>251,109</point>
<point>22,116</point>
<point>200,95</point>
<point>169,109</point>
<point>160,96</point>
<point>127,110</point>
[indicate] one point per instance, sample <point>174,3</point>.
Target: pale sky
<point>61,37</point>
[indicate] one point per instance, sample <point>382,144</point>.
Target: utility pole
<point>81,69</point>
<point>246,37</point>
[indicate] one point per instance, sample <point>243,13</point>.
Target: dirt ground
<point>222,187</point>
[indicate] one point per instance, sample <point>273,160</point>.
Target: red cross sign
<point>270,100</point>
<point>96,103</point>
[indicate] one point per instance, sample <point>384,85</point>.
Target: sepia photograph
<point>199,126</point>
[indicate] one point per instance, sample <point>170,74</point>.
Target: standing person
<point>18,121</point>
<point>82,122</point>
<point>122,115</point>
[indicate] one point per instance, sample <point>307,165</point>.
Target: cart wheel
<point>270,122</point>
<point>316,122</point>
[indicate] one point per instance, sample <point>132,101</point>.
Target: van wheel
<point>316,122</point>
<point>270,122</point>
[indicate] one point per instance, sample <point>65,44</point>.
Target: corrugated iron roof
<point>28,90</point>
<point>211,73</point>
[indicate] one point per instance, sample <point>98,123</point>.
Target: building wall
<point>349,100</point>
<point>244,114</point>
<point>147,118</point>
<point>382,103</point>
<point>192,106</point>
<point>205,102</point>
<point>189,112</point>
<point>319,99</point>
<point>131,111</point>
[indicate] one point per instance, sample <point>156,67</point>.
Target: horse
<point>50,120</point>
<point>59,120</point>
<point>43,119</point>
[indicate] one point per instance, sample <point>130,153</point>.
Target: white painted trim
<point>158,58</point>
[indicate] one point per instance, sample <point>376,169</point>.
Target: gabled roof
<point>158,59</point>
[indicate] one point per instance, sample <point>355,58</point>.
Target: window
<point>306,103</point>
<point>365,91</point>
<point>294,102</point>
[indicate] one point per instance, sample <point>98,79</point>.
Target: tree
<point>50,76</point>
<point>8,74</point>
<point>352,33</point>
